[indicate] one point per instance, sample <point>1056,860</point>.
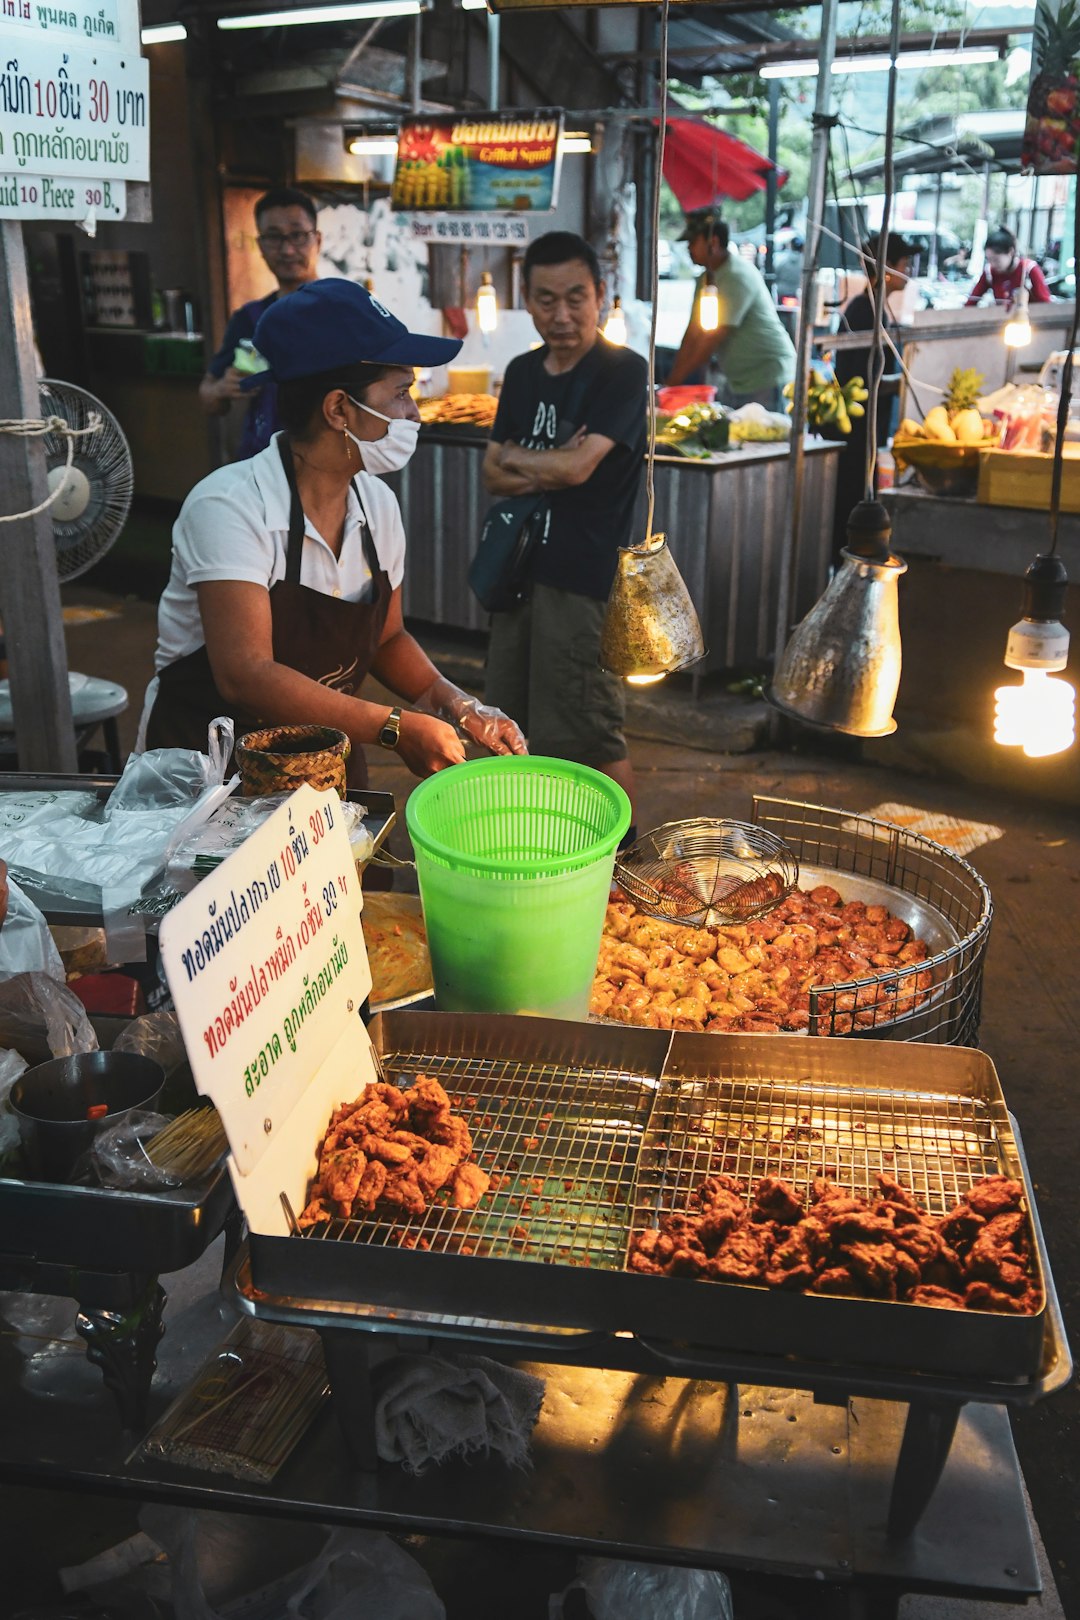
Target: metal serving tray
<point>65,911</point>
<point>103,1229</point>
<point>594,1131</point>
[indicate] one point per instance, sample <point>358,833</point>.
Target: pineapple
<point>964,386</point>
<point>964,419</point>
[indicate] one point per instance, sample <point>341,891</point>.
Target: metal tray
<point>105,1229</point>
<point>65,911</point>
<point>595,1130</point>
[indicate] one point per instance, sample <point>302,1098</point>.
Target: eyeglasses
<point>274,241</point>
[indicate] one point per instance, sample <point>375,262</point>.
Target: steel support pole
<point>493,60</point>
<point>29,587</point>
<point>770,183</point>
<point>415,59</point>
<point>815,210</point>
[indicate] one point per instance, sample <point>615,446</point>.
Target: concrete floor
<point>1030,1029</point>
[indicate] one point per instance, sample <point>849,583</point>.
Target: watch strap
<point>391,730</point>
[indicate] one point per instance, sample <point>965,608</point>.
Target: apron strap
<point>294,550</point>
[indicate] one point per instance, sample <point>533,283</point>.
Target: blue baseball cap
<point>327,324</point>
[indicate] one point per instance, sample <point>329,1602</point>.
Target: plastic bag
<point>357,1575</point>
<point>41,1018</point>
<point>116,1158</point>
<point>155,1035</point>
<point>618,1591</point>
<point>11,1066</point>
<point>26,945</point>
<point>205,846</point>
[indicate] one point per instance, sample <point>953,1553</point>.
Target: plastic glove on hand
<point>491,728</point>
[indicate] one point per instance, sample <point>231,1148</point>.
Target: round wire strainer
<point>703,872</point>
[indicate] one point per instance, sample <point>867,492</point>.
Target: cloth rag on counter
<point>429,1408</point>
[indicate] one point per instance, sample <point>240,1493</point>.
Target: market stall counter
<point>726,519</point>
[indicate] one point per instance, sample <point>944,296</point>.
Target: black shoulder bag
<point>516,525</point>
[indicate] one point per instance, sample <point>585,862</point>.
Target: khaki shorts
<point>542,670</point>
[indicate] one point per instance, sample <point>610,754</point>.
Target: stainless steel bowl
<point>53,1100</point>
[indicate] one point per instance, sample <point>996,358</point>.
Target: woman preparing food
<point>285,590</point>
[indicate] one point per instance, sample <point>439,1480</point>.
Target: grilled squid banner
<point>266,963</point>
<point>490,162</point>
<point>1052,132</point>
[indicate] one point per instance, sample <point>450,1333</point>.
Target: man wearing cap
<point>285,589</point>
<point>1006,272</point>
<point>286,224</point>
<point>750,345</point>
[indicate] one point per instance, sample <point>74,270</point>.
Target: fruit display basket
<point>943,469</point>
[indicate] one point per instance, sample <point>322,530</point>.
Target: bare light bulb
<point>1039,716</point>
<point>487,306</point>
<point>615,325</point>
<point>1017,333</point>
<point>709,308</point>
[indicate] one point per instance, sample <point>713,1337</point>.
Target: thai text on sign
<point>74,112</point>
<point>265,960</point>
<point>102,22</point>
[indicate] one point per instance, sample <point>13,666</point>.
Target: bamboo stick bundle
<point>190,1145</point>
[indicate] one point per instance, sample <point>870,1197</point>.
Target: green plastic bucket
<point>514,857</point>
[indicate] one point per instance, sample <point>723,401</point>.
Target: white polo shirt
<point>235,526</point>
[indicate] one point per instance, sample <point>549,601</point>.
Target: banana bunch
<point>828,404</point>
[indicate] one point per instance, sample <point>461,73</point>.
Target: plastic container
<point>468,379</point>
<point>514,857</point>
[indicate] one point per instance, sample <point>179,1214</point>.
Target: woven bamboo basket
<point>281,758</point>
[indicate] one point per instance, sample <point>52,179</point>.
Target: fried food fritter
<point>756,977</point>
<point>884,1248</point>
<point>395,1148</point>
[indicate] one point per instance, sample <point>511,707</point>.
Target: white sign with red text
<point>266,963</point>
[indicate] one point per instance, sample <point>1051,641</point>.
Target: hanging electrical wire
<point>654,279</point>
<point>877,348</point>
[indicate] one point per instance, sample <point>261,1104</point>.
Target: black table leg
<point>123,1343</point>
<point>928,1434</point>
<point>351,1358</point>
<point>110,731</point>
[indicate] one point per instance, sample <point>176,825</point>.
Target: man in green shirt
<point>749,343</point>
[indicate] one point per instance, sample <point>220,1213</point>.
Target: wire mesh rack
<point>561,1143</point>
<point>938,1145</point>
<point>937,1000</point>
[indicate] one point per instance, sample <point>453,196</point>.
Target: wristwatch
<point>391,730</point>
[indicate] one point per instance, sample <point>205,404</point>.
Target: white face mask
<point>391,452</point>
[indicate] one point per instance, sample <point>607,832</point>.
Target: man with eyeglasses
<point>289,241</point>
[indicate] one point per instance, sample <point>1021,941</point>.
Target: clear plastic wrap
<point>623,1591</point>
<point>118,1157</point>
<point>11,1066</point>
<point>155,1035</point>
<point>26,945</point>
<point>42,1018</point>
<point>207,845</point>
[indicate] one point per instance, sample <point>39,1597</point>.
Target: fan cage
<point>939,879</point>
<point>704,871</point>
<point>105,460</point>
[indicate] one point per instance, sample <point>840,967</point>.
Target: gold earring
<point>348,446</point>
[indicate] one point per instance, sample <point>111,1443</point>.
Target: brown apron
<point>332,641</point>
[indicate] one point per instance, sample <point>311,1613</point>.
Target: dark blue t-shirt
<point>591,521</point>
<point>261,421</point>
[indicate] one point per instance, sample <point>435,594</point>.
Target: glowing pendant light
<point>709,307</point>
<point>650,628</point>
<point>1038,716</point>
<point>615,325</point>
<point>1017,332</point>
<point>487,307</point>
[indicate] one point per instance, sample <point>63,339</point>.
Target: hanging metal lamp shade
<point>650,627</point>
<point>841,667</point>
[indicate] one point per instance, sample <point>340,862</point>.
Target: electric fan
<point>95,499</point>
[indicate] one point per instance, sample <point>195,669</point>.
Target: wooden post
<point>29,587</point>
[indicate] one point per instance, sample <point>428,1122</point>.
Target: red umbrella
<point>702,163</point>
